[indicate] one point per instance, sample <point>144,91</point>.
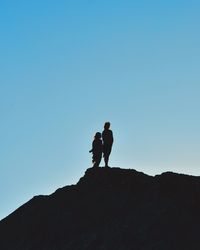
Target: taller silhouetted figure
<point>107,136</point>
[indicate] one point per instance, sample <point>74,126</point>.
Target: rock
<point>110,209</point>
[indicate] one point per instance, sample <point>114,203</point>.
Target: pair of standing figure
<point>102,146</point>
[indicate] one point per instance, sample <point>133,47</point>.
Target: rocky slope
<point>110,209</point>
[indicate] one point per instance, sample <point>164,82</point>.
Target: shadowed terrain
<point>110,209</point>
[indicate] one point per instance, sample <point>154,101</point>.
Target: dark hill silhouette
<point>110,209</point>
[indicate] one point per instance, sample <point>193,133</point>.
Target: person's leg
<point>107,151</point>
<point>97,161</point>
<point>106,158</point>
<point>93,160</point>
<point>105,154</point>
<point>95,165</point>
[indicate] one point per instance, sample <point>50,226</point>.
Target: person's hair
<point>107,125</point>
<point>97,135</point>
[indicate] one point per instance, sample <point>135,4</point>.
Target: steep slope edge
<point>110,209</point>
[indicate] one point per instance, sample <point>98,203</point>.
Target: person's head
<point>107,125</point>
<point>97,135</point>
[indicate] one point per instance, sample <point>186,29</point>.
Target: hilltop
<point>110,209</point>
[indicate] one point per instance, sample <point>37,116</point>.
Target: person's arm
<point>103,135</point>
<point>112,138</point>
<point>92,150</point>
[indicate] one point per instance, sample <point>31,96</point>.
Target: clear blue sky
<point>66,67</point>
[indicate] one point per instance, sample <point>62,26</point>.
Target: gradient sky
<point>66,67</point>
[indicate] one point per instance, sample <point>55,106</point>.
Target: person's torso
<point>97,146</point>
<point>107,136</point>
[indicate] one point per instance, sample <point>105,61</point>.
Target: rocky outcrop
<point>110,209</point>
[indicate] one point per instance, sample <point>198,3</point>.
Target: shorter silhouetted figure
<point>107,136</point>
<point>96,150</point>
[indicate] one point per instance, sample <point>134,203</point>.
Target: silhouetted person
<point>96,150</point>
<point>107,136</point>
